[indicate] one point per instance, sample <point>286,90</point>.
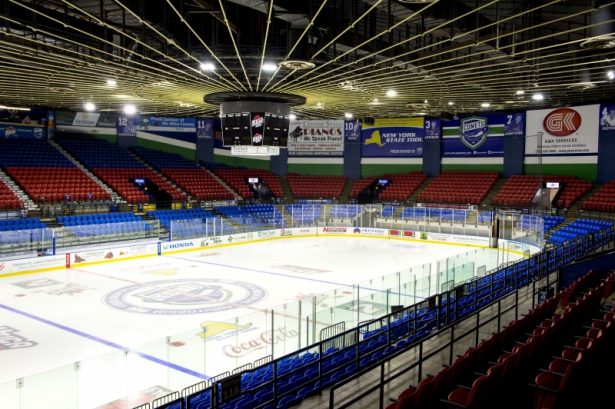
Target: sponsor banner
<point>352,131</point>
<point>30,264</point>
<point>176,124</point>
<point>480,135</point>
<point>368,231</point>
<point>127,125</point>
<point>259,342</point>
<point>21,131</point>
<point>433,128</point>
<point>455,238</point>
<point>393,137</point>
<point>204,128</point>
<point>316,138</point>
<point>117,253</point>
<point>299,231</point>
<point>180,245</point>
<point>565,131</point>
<point>334,230</point>
<point>266,234</point>
<point>86,119</point>
<point>607,117</point>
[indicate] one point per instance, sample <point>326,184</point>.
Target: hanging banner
<point>316,138</point>
<point>168,130</point>
<point>204,128</point>
<point>433,128</point>
<point>607,117</point>
<point>179,124</point>
<point>87,119</point>
<point>352,131</point>
<point>127,125</point>
<point>480,135</point>
<point>393,137</point>
<point>562,131</point>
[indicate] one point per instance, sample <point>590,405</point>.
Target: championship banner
<point>607,117</point>
<point>316,138</point>
<point>480,135</point>
<point>393,137</point>
<point>565,131</point>
<point>21,131</point>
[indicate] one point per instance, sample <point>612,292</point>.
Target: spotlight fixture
<point>129,109</point>
<point>391,93</point>
<point>89,106</point>
<point>485,105</point>
<point>519,92</point>
<point>207,66</point>
<point>269,67</point>
<point>451,103</point>
<point>610,74</point>
<point>111,82</point>
<point>538,96</point>
<point>292,117</point>
<point>348,115</point>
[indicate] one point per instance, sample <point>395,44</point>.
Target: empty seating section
<point>198,182</point>
<point>497,371</point>
<point>94,225</point>
<point>265,215</point>
<point>519,190</point>
<point>313,187</point>
<point>603,200</point>
<point>401,186</point>
<point>360,184</point>
<point>577,229</point>
<point>8,199</point>
<point>344,211</point>
<point>118,168</point>
<point>237,179</point>
<point>458,187</point>
<point>307,214</point>
<point>428,214</point>
<point>191,223</point>
<point>44,174</point>
<point>15,231</point>
<point>551,222</point>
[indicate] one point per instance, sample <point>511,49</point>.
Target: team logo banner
<point>562,131</point>
<point>480,135</point>
<point>21,131</point>
<point>393,137</point>
<point>316,138</point>
<point>607,118</point>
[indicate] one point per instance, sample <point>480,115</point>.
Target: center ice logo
<point>473,131</point>
<point>185,296</point>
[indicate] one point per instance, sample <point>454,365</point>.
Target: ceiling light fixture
<point>129,109</point>
<point>610,74</point>
<point>207,66</point>
<point>391,93</point>
<point>450,103</point>
<point>519,92</point>
<point>348,115</point>
<point>14,108</point>
<point>89,106</point>
<point>292,117</point>
<point>111,82</point>
<point>538,96</point>
<point>269,67</point>
<point>485,105</point>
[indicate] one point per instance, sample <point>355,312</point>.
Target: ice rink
<point>98,335</point>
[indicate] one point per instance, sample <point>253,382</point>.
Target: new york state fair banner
<point>563,131</point>
<point>393,137</point>
<point>324,138</point>
<point>480,135</point>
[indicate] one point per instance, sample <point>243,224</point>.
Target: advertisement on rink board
<point>31,264</point>
<point>117,253</point>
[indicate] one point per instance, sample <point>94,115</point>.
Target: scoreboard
<point>255,129</point>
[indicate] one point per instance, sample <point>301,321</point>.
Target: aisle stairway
<point>417,192</point>
<point>28,203</point>
<point>236,195</point>
<point>114,196</point>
